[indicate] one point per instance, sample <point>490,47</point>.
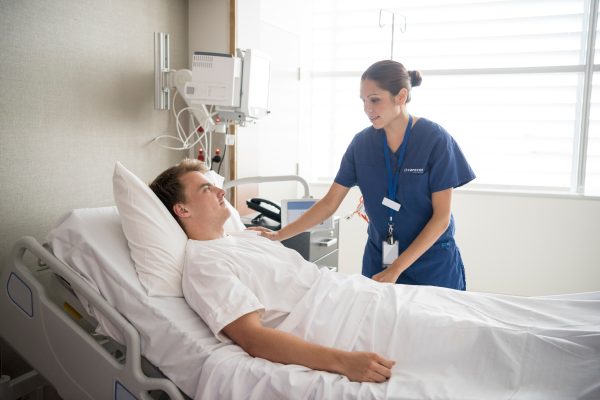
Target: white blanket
<point>446,344</point>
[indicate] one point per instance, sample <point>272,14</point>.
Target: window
<point>510,80</point>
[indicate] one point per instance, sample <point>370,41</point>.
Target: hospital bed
<point>52,308</point>
<point>83,320</point>
<point>76,311</point>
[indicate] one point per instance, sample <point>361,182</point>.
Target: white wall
<point>265,25</point>
<point>528,244</point>
<point>510,243</point>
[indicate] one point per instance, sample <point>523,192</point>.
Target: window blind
<point>506,78</point>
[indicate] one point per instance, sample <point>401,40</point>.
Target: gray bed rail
<point>59,348</point>
<point>264,179</point>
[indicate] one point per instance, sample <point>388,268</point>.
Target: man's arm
<point>282,347</point>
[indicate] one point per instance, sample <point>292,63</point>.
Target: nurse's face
<point>379,104</point>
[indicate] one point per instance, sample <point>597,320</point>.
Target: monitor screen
<point>292,209</point>
<point>256,81</point>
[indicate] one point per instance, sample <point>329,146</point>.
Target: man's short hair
<point>167,186</point>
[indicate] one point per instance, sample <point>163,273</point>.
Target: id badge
<point>390,253</point>
<point>391,204</point>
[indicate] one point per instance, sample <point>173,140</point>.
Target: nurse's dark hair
<point>392,76</point>
<point>167,186</point>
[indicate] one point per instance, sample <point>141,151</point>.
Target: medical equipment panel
<point>318,246</point>
<point>292,209</point>
<point>216,80</point>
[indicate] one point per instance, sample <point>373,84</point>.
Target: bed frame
<point>43,321</point>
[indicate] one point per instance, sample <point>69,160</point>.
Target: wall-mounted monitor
<point>256,77</point>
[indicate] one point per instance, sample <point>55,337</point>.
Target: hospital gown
<point>449,343</point>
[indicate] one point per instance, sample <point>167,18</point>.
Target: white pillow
<point>156,241</point>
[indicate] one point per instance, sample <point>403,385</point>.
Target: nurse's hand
<point>265,232</point>
<point>388,275</point>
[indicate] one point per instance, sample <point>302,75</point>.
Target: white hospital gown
<point>226,278</point>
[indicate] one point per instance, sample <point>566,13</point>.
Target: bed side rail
<point>61,350</point>
<point>264,179</point>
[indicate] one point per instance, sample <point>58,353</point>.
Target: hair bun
<point>415,78</point>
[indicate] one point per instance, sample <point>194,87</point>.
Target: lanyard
<point>393,175</point>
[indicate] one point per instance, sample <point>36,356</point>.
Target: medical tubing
<point>222,159</point>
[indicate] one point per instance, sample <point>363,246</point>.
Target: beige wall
<point>77,83</point>
<point>77,95</point>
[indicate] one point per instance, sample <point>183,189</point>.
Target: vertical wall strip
<point>587,96</point>
<point>233,129</point>
<point>162,92</point>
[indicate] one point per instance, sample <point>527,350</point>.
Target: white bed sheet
<point>181,345</point>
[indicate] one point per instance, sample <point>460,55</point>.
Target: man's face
<point>203,201</point>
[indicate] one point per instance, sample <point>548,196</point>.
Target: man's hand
<point>367,367</point>
<point>265,232</point>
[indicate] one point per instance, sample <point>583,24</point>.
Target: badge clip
<point>389,248</point>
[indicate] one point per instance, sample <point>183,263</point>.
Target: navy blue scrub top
<point>433,162</point>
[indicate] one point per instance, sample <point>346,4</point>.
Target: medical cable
<point>222,159</point>
<point>193,137</point>
<point>360,211</point>
<point>182,138</point>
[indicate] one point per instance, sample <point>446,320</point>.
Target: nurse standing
<point>406,168</point>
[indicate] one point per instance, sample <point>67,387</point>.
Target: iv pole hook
<point>381,25</point>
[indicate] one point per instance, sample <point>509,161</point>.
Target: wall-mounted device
<point>216,80</point>
<point>236,88</point>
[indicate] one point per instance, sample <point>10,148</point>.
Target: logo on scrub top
<point>414,170</point>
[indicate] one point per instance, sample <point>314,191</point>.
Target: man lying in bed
<point>277,306</point>
<point>243,299</point>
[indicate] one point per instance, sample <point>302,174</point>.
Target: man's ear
<point>180,210</point>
